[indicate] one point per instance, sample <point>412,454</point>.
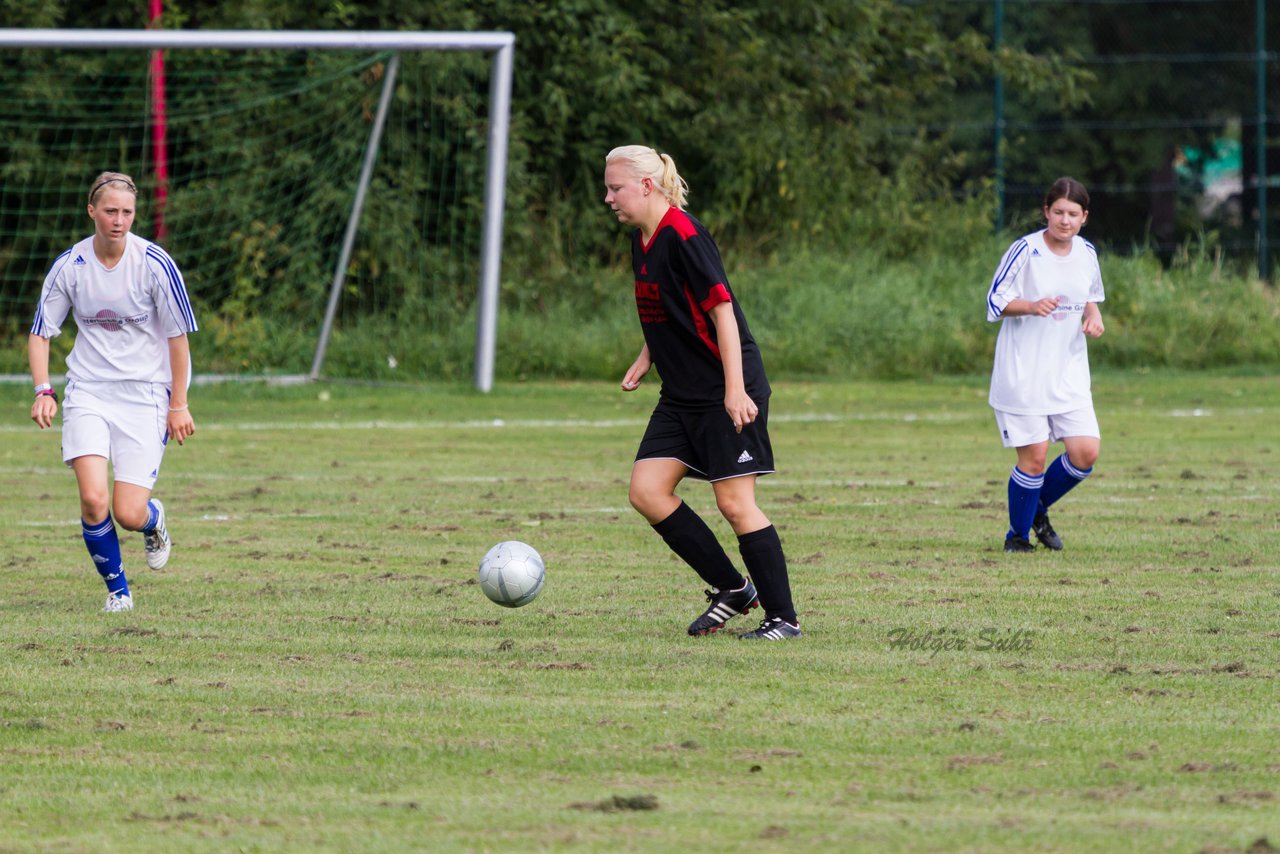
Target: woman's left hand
<point>741,408</point>
<point>181,425</point>
<point>1092,322</point>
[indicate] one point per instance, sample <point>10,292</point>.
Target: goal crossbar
<point>250,39</point>
<point>501,43</point>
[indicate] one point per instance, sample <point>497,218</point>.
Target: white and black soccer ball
<point>512,574</point>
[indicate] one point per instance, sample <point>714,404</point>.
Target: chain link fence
<point>1179,137</point>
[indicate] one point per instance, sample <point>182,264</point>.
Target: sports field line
<point>772,481</point>
<point>531,423</point>
<point>561,423</point>
<point>230,518</point>
<point>222,518</point>
<point>981,414</point>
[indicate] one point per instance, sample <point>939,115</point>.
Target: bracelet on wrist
<point>43,387</point>
<point>48,392</point>
<point>182,408</point>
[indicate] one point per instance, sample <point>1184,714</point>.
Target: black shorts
<point>705,441</point>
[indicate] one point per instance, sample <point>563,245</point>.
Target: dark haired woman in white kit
<point>1046,293</point>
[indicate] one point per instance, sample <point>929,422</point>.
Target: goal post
<point>500,44</point>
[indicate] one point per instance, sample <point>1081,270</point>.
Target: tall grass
<point>863,316</point>
<point>854,314</point>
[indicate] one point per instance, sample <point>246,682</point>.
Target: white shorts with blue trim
<point>126,422</point>
<point>1018,431</point>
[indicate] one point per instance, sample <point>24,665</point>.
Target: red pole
<point>159,128</point>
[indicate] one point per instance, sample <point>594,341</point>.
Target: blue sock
<point>1024,496</point>
<point>1059,479</point>
<point>104,548</point>
<point>153,517</point>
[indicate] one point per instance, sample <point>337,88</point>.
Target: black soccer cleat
<point>1014,543</point>
<point>1044,532</point>
<point>772,628</point>
<point>724,604</point>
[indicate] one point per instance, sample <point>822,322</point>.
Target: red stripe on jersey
<point>700,323</point>
<point>680,221</point>
<point>673,218</point>
<point>718,294</point>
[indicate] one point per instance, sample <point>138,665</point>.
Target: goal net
<point>334,201</point>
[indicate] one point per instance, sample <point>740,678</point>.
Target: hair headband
<point>104,182</point>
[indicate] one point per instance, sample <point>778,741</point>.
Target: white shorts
<point>126,422</point>
<point>1018,431</point>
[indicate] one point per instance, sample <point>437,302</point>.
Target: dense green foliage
<point>858,244</point>
<point>780,114</point>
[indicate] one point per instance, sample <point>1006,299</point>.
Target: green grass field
<point>317,670</point>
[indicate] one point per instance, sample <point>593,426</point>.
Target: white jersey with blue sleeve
<point>125,314</point>
<point>1041,363</point>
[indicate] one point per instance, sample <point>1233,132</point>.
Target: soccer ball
<point>512,574</point>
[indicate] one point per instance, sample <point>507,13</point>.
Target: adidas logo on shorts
<point>745,458</point>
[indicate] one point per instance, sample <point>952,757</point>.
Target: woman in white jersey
<point>127,376</point>
<point>1046,293</point>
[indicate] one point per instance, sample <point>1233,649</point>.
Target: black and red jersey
<point>679,278</point>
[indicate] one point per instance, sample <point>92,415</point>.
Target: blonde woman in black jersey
<point>711,421</point>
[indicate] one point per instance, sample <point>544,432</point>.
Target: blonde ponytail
<point>659,168</point>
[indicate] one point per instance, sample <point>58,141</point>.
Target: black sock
<point>762,553</point>
<point>691,539</point>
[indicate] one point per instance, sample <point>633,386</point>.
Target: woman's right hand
<point>636,372</point>
<point>1045,307</point>
<point>43,410</point>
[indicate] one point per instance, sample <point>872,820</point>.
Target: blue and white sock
<point>104,547</point>
<point>1024,496</point>
<point>153,517</point>
<point>1059,479</point>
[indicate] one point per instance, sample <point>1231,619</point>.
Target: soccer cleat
<point>1044,532</point>
<point>1014,543</point>
<point>772,628</point>
<point>724,604</point>
<point>118,602</point>
<point>157,542</point>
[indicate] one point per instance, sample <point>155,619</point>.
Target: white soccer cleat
<point>157,542</point>
<point>118,602</point>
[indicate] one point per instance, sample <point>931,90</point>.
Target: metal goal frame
<point>501,44</point>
